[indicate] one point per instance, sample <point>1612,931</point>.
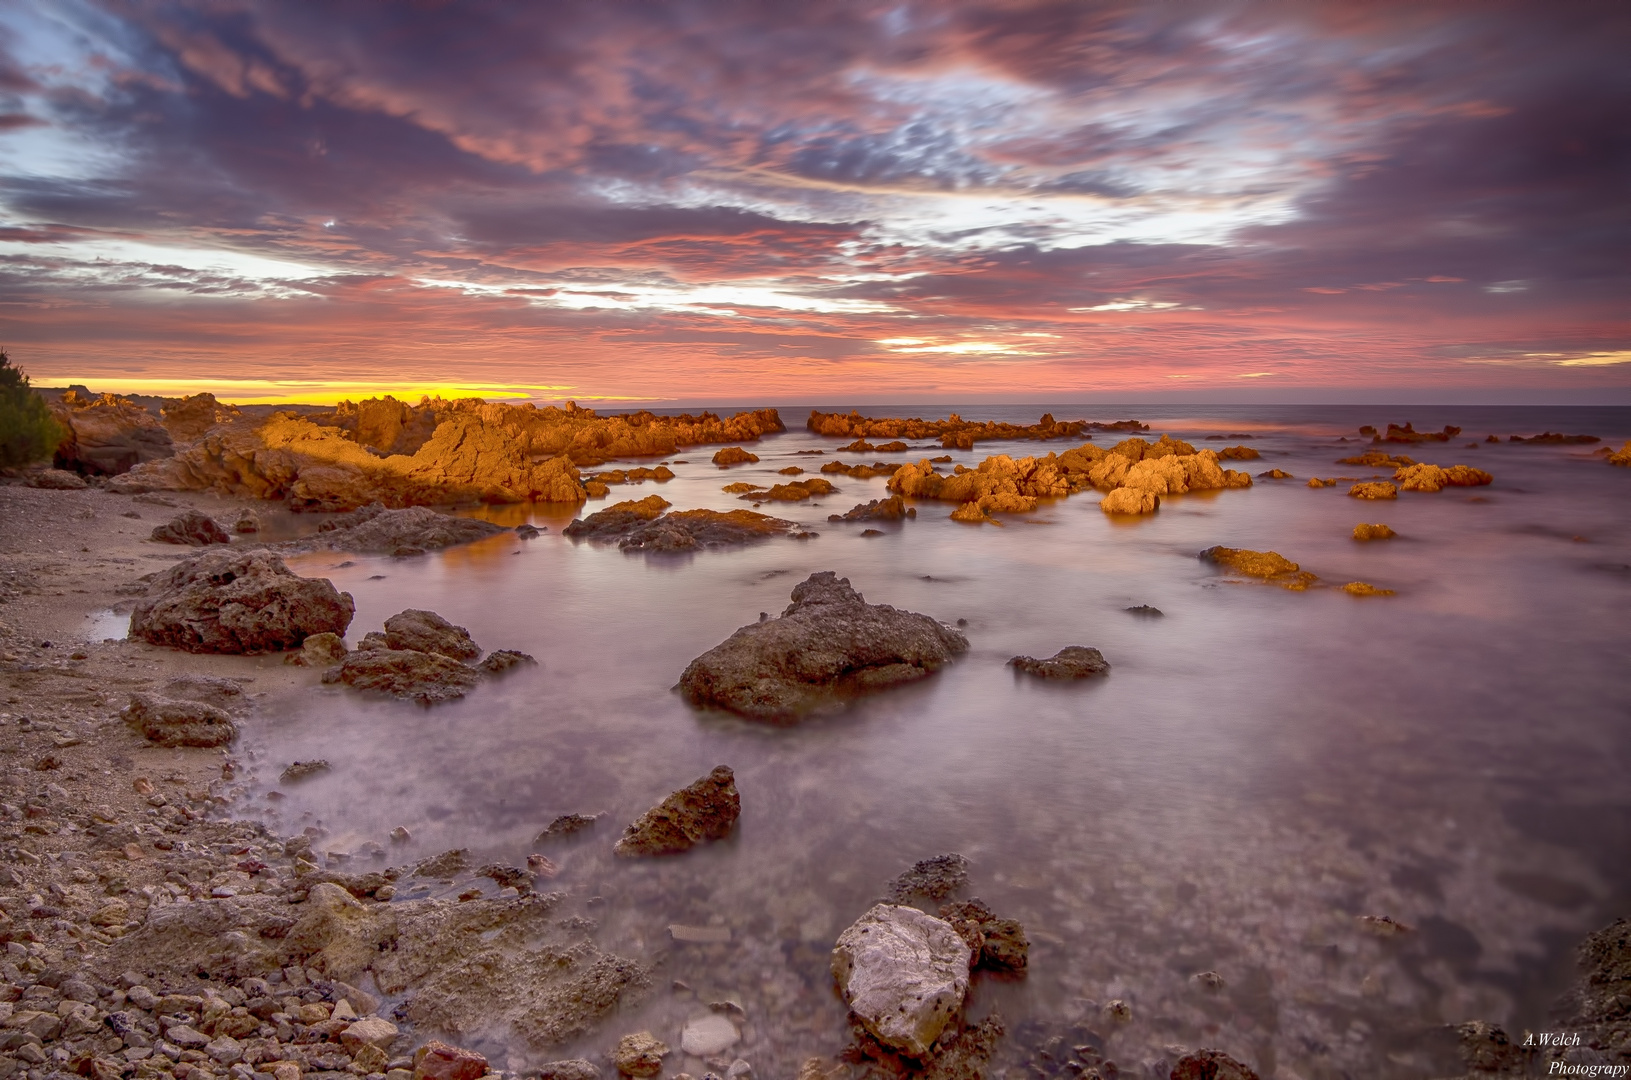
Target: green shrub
<point>28,431</point>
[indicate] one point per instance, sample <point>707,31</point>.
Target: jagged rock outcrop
<point>107,435</point>
<point>238,602</point>
<point>828,645</point>
<point>379,452</point>
<point>193,528</point>
<point>1424,477</point>
<point>426,631</point>
<point>1408,434</point>
<point>997,944</point>
<point>793,491</point>
<point>1374,489</point>
<point>890,509</point>
<point>617,520</point>
<point>954,431</point>
<point>191,418</point>
<point>704,810</point>
<point>1622,456</point>
<point>904,974</point>
<point>1071,662</point>
<point>426,677</point>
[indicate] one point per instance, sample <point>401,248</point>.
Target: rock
<point>319,650</point>
<point>190,418</point>
<point>904,975</point>
<point>828,644</point>
<point>1276,474</point>
<point>1554,438</point>
<point>1126,500</point>
<point>507,877</point>
<point>570,1069</point>
<point>1622,456</point>
<point>796,491</point>
<point>191,528</point>
<point>935,878</point>
<point>1408,434</point>
<point>1144,611</point>
<point>709,1036</point>
<point>639,1055</point>
<point>705,810</point>
<point>617,520</point>
<point>1071,662</point>
<point>1377,459</point>
<point>369,1031</point>
<point>1211,1065</point>
<point>446,865</point>
<point>692,530</point>
<point>734,455</point>
<point>428,678</point>
<point>1433,478</point>
<point>1373,532</point>
<point>1316,482</point>
<point>527,532</point>
<point>426,631</point>
<point>57,480</point>
<point>954,431</point>
<point>169,722</point>
<point>300,770</point>
<point>893,508</point>
<point>502,660</point>
<point>997,944</point>
<point>248,522</point>
<point>225,1050</point>
<point>437,1060</point>
<point>1360,588</point>
<point>1271,566</point>
<point>238,602</point>
<point>375,529</point>
<point>108,435</point>
<point>222,693</point>
<point>1376,489</point>
<point>1239,453</point>
<point>566,825</point>
<point>186,1037</point>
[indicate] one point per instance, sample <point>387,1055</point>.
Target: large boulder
<point>827,645</point>
<point>904,975</point>
<point>426,631</point>
<point>238,602</point>
<point>107,435</point>
<point>704,810</point>
<point>178,722</point>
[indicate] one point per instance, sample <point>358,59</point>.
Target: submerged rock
<point>1433,478</point>
<point>696,530</point>
<point>176,722</point>
<point>425,677</point>
<point>238,602</point>
<point>1071,662</point>
<point>893,508</point>
<point>1145,611</point>
<point>319,650</point>
<point>193,528</point>
<point>426,631</point>
<point>904,975</point>
<point>998,944</point>
<point>1270,566</point>
<point>502,660</point>
<point>377,530</point>
<point>829,643</point>
<point>1211,1065</point>
<point>705,810</point>
<point>1365,531</point>
<point>935,878</point>
<point>1361,588</point>
<point>618,519</point>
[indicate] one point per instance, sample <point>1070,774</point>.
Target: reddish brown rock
<point>1211,1065</point>
<point>705,810</point>
<point>893,508</point>
<point>107,435</point>
<point>1376,489</point>
<point>733,455</point>
<point>238,602</point>
<point>437,1060</point>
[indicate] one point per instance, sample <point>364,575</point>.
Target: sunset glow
<point>709,202</point>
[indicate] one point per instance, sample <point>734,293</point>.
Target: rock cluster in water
<point>642,526</point>
<point>954,431</point>
<point>238,602</point>
<point>827,645</point>
<point>420,656</point>
<point>1071,662</point>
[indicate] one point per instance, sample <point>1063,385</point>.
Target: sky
<point>694,201</point>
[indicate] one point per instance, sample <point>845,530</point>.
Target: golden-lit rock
<point>1270,566</point>
<point>107,435</point>
<point>1622,456</point>
<point>734,455</point>
<point>1239,453</point>
<point>971,514</point>
<point>1373,532</point>
<point>1316,482</point>
<point>188,419</point>
<point>794,491</point>
<point>741,487</point>
<point>953,431</point>
<point>1130,501</point>
<point>1360,588</point>
<point>1275,474</point>
<point>1375,489</point>
<point>1377,459</point>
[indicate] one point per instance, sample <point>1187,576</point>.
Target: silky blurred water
<point>1260,767</point>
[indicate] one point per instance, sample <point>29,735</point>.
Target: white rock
<point>904,974</point>
<point>709,1036</point>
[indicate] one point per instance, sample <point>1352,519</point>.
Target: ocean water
<point>1260,769</point>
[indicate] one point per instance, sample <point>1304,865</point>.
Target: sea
<point>1261,777</point>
